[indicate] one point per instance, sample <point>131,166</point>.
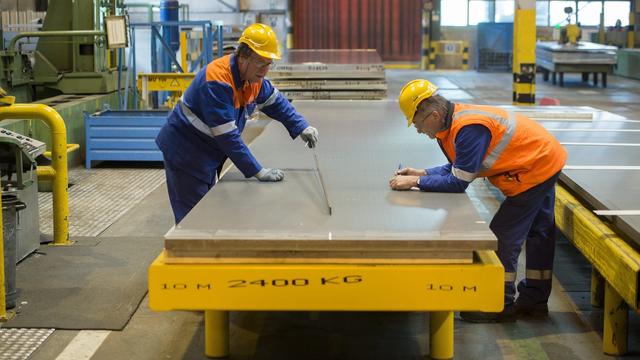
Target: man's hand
<point>310,136</point>
<point>411,171</point>
<point>270,175</point>
<point>401,182</point>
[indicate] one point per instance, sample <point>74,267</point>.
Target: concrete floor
<point>571,332</point>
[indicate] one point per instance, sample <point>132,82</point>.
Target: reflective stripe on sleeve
<point>270,100</point>
<point>463,175</point>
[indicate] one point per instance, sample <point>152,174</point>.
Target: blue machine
<point>123,135</point>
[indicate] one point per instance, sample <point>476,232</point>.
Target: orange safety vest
<point>521,154</point>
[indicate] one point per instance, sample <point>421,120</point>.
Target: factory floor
<point>572,331</point>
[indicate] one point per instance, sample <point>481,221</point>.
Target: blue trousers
<point>529,217</point>
<point>185,190</point>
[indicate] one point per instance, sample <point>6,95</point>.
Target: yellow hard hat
<point>261,39</point>
<point>412,95</point>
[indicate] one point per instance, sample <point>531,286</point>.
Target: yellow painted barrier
<point>615,260</point>
<point>58,170</point>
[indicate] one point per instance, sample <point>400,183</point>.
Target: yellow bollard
<point>616,322</point>
<point>441,334</point>
<point>216,333</point>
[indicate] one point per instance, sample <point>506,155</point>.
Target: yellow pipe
<point>59,161</point>
<point>45,172</point>
<point>216,333</point>
<point>70,148</point>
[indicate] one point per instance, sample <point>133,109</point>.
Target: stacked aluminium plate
<point>331,74</point>
<point>361,145</point>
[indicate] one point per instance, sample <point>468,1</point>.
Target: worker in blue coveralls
<point>204,128</point>
<point>519,157</point>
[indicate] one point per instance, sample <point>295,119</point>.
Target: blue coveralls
<point>527,216</point>
<point>205,128</point>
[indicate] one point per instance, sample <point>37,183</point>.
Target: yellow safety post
<point>597,289</point>
<point>184,48</point>
<point>524,53</point>
<point>426,35</point>
<point>441,335</point>
<point>616,323</point>
<point>57,173</point>
<point>465,55</point>
<point>3,303</point>
<point>216,333</point>
<point>289,42</point>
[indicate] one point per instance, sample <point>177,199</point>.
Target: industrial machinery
<point>18,170</point>
<point>71,56</point>
<point>570,34</point>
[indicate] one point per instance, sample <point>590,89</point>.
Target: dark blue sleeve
<point>439,170</point>
<point>271,102</point>
<point>219,114</point>
<point>471,146</point>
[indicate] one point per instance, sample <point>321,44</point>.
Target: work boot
<point>508,314</point>
<point>527,309</point>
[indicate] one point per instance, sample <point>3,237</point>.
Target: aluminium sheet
<point>605,189</point>
<point>361,145</point>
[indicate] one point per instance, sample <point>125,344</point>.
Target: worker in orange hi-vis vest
<point>520,158</point>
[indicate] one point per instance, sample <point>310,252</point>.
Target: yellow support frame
<point>613,259</point>
<point>176,83</point>
<point>436,288</point>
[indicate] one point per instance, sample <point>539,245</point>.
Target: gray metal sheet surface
<point>610,189</point>
<point>361,145</point>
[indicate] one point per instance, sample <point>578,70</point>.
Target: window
<point>589,12</point>
<point>542,13</point>
<point>557,15</point>
<point>548,12</point>
<point>454,12</point>
<point>616,10</point>
<point>478,11</point>
<point>504,10</point>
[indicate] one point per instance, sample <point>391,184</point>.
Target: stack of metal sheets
<point>330,74</point>
<point>603,169</point>
<point>550,52</point>
<point>361,145</point>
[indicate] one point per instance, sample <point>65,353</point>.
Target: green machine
<point>71,56</point>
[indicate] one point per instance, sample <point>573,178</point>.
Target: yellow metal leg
<point>216,333</point>
<point>597,289</point>
<point>441,334</point>
<point>616,317</point>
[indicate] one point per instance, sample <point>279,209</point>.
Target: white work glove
<point>270,175</point>
<point>310,136</point>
